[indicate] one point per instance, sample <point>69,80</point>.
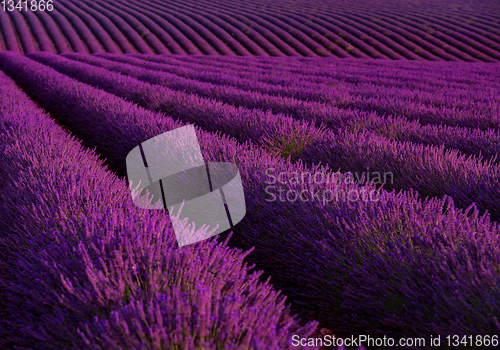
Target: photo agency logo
<point>168,172</point>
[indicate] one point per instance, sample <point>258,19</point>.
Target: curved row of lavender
<point>333,103</point>
<point>406,29</point>
<point>399,265</point>
<point>434,171</point>
<point>84,268</point>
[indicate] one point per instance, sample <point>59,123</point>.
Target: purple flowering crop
<point>84,268</point>
<point>432,171</point>
<point>357,267</point>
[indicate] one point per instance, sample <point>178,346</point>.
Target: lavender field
<point>397,101</point>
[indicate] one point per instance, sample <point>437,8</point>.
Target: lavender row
<point>223,31</point>
<point>222,41</point>
<point>435,171</point>
<point>316,44</point>
<point>432,171</point>
<point>470,38</point>
<point>400,38</point>
<point>290,42</point>
<point>54,32</point>
<point>8,32</point>
<point>111,37</point>
<point>487,143</point>
<point>427,76</point>
<point>470,42</point>
<point>415,256</point>
<point>257,126</point>
<point>303,34</point>
<point>23,33</point>
<point>211,44</point>
<point>484,115</point>
<point>306,90</point>
<point>481,30</point>
<point>172,37</point>
<point>195,37</point>
<point>393,46</point>
<point>166,42</point>
<point>134,34</point>
<point>181,44</point>
<point>474,88</point>
<point>146,33</point>
<point>190,46</point>
<point>348,93</point>
<point>352,45</point>
<point>306,93</point>
<point>419,45</point>
<point>356,49</point>
<point>110,115</point>
<point>352,23</point>
<point>477,47</point>
<point>307,63</point>
<point>97,36</point>
<point>40,36</point>
<point>119,31</point>
<point>395,40</point>
<point>87,269</point>
<point>83,31</point>
<point>71,34</point>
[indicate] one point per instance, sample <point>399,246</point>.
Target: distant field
<point>398,29</point>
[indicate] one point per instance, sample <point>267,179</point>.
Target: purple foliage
<point>103,36</point>
<point>256,126</point>
<point>434,171</point>
<point>358,267</point>
<point>470,105</point>
<point>84,33</point>
<point>395,30</point>
<point>40,36</point>
<point>114,31</point>
<point>23,32</point>
<point>191,41</point>
<point>143,32</point>
<point>69,32</point>
<point>222,41</point>
<point>8,32</point>
<point>235,40</point>
<point>128,31</point>
<point>165,42</point>
<point>475,142</point>
<point>53,31</point>
<point>84,268</point>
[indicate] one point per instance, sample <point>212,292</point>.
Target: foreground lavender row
<point>81,273</point>
<point>435,171</point>
<point>421,260</point>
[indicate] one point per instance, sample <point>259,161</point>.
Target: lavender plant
<point>341,250</point>
<point>84,268</point>
<point>434,171</point>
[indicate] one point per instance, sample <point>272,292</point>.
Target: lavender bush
<point>357,267</point>
<point>398,30</point>
<point>83,274</point>
<point>433,172</point>
<point>485,143</point>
